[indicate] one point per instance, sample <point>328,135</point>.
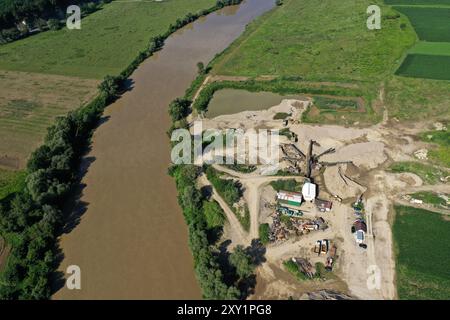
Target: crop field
<point>431,24</point>
<point>426,66</point>
<point>431,48</point>
<point>422,245</point>
<point>29,103</point>
<point>108,40</point>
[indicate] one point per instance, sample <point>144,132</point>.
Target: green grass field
<point>431,48</point>
<point>10,182</point>
<point>427,173</point>
<point>425,66</point>
<point>107,42</point>
<point>441,154</point>
<point>298,38</point>
<point>418,2</point>
<point>431,198</point>
<point>422,245</point>
<point>431,24</point>
<point>413,99</point>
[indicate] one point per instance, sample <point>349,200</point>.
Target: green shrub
<point>213,214</point>
<point>264,232</point>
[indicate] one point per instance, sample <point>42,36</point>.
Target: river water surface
<point>131,241</point>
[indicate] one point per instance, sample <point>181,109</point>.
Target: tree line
<point>39,15</point>
<point>31,220</point>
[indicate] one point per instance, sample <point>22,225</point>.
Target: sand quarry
<point>371,150</point>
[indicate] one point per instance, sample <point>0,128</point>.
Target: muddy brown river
<point>131,240</point>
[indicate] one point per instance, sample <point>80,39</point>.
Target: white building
<point>309,191</point>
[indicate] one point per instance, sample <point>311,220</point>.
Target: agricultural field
<point>426,66</point>
<point>430,23</point>
<point>422,257</point>
<point>107,42</point>
<point>431,48</point>
<point>29,102</point>
<point>430,57</point>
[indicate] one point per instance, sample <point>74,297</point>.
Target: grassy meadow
<point>299,39</point>
<point>412,99</point>
<point>422,245</point>
<point>108,41</point>
<point>441,152</point>
<point>10,182</point>
<point>428,173</point>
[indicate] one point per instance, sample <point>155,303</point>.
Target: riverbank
<point>74,143</point>
<point>120,218</point>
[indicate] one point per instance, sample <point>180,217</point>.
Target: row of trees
<point>202,215</point>
<point>31,219</point>
<point>207,267</point>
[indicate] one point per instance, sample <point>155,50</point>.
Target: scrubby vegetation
<point>231,192</point>
<point>431,198</point>
<point>423,254</point>
<point>281,115</point>
<point>293,268</point>
<point>264,232</point>
<point>244,168</point>
<point>287,185</point>
<point>213,214</point>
